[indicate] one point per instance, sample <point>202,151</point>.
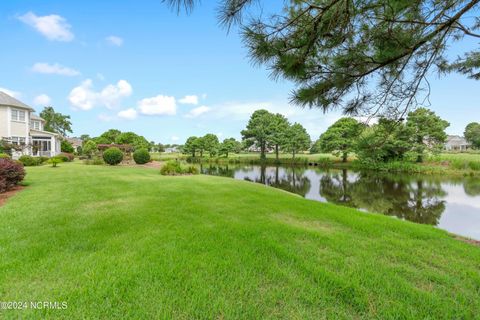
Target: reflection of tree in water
<point>290,179</point>
<point>293,180</point>
<point>410,199</point>
<point>472,186</point>
<point>215,170</point>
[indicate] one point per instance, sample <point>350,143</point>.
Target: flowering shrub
<point>11,173</point>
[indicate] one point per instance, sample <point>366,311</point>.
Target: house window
<point>18,115</point>
<point>18,141</point>
<point>35,125</point>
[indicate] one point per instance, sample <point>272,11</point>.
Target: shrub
<point>11,173</point>
<point>4,156</point>
<point>96,161</point>
<point>66,157</point>
<point>29,161</point>
<point>55,160</point>
<point>141,156</point>
<point>113,156</point>
<point>174,168</point>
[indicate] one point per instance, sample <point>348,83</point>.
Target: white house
<point>20,126</point>
<point>456,143</point>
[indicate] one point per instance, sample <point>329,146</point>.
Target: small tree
<point>259,131</point>
<point>90,148</point>
<point>66,146</point>
<point>427,131</point>
<point>279,128</point>
<point>210,144</point>
<point>472,134</point>
<point>340,137</point>
<point>229,145</point>
<point>191,146</point>
<point>296,139</point>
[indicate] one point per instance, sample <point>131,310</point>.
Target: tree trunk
<point>345,157</point>
<point>262,150</point>
<point>193,153</point>
<point>293,153</point>
<point>276,151</point>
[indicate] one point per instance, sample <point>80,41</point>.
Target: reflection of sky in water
<point>461,214</point>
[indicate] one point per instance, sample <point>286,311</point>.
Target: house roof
<point>40,133</point>
<point>457,140</point>
<point>6,100</point>
<point>35,117</point>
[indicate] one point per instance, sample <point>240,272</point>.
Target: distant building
<point>75,142</point>
<point>171,150</point>
<point>456,143</point>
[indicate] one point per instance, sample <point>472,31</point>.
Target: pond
<point>450,203</point>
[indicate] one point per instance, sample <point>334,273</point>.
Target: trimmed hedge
<point>141,156</point>
<point>113,156</point>
<point>11,174</point>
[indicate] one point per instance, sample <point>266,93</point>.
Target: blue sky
<point>143,68</point>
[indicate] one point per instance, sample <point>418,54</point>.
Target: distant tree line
<point>265,131</point>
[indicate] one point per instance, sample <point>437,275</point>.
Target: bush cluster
<point>4,156</point>
<point>66,157</point>
<point>175,168</point>
<point>141,156</point>
<point>113,156</point>
<point>96,161</point>
<point>29,161</point>
<point>11,173</point>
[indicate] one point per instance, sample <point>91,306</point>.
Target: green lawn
<point>120,243</point>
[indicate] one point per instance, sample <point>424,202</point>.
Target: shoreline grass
<point>125,242</point>
<point>452,164</point>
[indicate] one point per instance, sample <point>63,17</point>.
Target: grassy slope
<point>120,242</point>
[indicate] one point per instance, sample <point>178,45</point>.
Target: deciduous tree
<point>427,131</point>
<point>472,134</point>
<point>55,121</point>
<point>296,139</point>
<point>340,138</point>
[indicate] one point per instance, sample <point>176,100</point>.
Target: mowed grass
<point>127,243</point>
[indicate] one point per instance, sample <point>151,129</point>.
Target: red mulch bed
<point>10,193</point>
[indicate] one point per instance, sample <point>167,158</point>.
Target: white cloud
<point>83,97</point>
<point>174,138</point>
<point>105,117</point>
<point>159,105</point>
<point>114,41</point>
<point>12,93</point>
<point>193,99</point>
<point>42,100</point>
<point>53,27</point>
<point>197,112</point>
<point>129,114</point>
<point>46,68</point>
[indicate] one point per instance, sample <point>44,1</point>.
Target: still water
<point>449,203</point>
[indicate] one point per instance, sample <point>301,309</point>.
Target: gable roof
<point>6,100</point>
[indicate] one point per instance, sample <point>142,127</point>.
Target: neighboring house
<point>20,126</point>
<point>76,143</point>
<point>171,150</point>
<point>456,143</point>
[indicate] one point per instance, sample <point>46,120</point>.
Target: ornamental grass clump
<point>175,168</point>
